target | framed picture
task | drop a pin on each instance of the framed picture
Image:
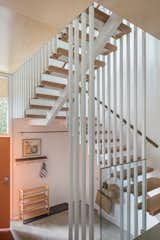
(31, 147)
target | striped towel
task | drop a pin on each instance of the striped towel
(43, 171)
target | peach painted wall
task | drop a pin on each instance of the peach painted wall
(26, 175)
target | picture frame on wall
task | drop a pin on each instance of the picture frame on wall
(31, 147)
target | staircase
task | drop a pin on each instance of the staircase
(50, 101)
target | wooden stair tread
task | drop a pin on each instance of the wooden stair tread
(139, 168)
(153, 205)
(52, 84)
(35, 116)
(112, 149)
(60, 70)
(46, 96)
(108, 48)
(32, 106)
(106, 140)
(103, 17)
(125, 159)
(152, 183)
(62, 54)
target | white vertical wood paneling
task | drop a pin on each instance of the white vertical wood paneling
(70, 85)
(83, 124)
(76, 126)
(144, 163)
(91, 119)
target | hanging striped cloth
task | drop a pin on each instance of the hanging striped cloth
(43, 171)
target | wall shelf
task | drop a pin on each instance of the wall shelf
(23, 159)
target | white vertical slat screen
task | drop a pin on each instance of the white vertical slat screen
(91, 123)
(109, 107)
(144, 163)
(128, 137)
(115, 111)
(83, 124)
(28, 77)
(121, 84)
(98, 118)
(70, 86)
(135, 153)
(103, 78)
(76, 127)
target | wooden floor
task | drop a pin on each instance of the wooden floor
(6, 235)
(153, 233)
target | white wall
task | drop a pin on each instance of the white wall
(26, 174)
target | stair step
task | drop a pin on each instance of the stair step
(112, 149)
(153, 205)
(57, 82)
(152, 183)
(62, 55)
(59, 71)
(108, 48)
(47, 93)
(139, 168)
(106, 140)
(125, 160)
(36, 113)
(103, 17)
(41, 103)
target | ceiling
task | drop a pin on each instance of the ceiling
(27, 24)
(143, 13)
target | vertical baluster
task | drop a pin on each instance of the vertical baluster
(27, 82)
(121, 142)
(144, 187)
(98, 118)
(76, 129)
(70, 85)
(109, 112)
(22, 77)
(135, 138)
(83, 123)
(91, 119)
(103, 114)
(115, 112)
(128, 138)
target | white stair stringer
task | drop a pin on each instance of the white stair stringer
(107, 30)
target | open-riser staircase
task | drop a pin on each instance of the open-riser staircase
(49, 100)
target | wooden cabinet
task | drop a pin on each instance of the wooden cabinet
(33, 202)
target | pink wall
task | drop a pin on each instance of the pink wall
(26, 175)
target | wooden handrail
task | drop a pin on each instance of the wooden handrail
(132, 127)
